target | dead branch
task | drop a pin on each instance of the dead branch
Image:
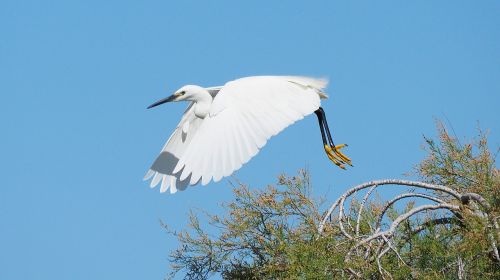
(379, 240)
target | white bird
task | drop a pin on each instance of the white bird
(224, 127)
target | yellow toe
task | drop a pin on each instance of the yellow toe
(335, 157)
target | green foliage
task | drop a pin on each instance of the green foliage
(269, 233)
(467, 168)
(273, 233)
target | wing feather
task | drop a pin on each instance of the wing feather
(162, 167)
(244, 115)
(156, 179)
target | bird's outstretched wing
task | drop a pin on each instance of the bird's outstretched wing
(163, 166)
(244, 115)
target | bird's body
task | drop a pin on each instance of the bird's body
(224, 127)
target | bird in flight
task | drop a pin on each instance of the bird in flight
(224, 127)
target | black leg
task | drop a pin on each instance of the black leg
(320, 116)
(332, 151)
(325, 124)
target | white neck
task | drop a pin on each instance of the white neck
(203, 102)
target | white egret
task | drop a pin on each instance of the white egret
(224, 127)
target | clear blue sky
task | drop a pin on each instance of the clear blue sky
(76, 139)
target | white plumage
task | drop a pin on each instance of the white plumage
(224, 127)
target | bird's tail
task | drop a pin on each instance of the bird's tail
(318, 84)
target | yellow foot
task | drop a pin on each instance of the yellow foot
(341, 155)
(336, 156)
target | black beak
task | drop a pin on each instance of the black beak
(161, 101)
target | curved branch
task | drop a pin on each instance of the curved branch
(340, 201)
(399, 197)
(341, 216)
(433, 222)
(365, 198)
(465, 198)
(389, 232)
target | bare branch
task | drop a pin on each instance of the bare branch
(433, 222)
(365, 198)
(465, 198)
(388, 233)
(375, 245)
(399, 197)
(340, 201)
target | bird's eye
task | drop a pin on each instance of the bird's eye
(183, 92)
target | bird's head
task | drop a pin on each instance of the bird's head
(185, 93)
